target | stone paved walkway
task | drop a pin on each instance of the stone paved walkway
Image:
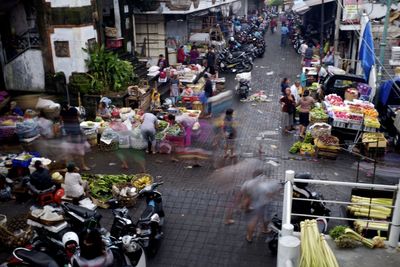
(195, 204)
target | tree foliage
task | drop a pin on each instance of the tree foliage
(275, 2)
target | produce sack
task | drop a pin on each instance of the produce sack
(108, 136)
(136, 139)
(124, 139)
(27, 129)
(320, 129)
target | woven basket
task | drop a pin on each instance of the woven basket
(114, 145)
(15, 233)
(128, 201)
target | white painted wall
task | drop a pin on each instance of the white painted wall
(26, 72)
(77, 38)
(68, 3)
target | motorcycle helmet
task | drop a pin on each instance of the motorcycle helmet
(70, 237)
(232, 39)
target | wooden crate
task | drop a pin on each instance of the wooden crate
(327, 153)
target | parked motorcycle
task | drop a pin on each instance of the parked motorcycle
(149, 224)
(234, 62)
(243, 86)
(315, 208)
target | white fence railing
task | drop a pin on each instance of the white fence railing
(394, 233)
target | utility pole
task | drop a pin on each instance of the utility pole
(337, 28)
(382, 46)
(321, 37)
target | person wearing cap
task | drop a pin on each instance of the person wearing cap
(15, 110)
(40, 179)
(74, 186)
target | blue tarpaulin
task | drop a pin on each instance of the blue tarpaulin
(367, 54)
(385, 90)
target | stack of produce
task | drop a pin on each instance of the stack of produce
(315, 251)
(374, 140)
(101, 185)
(162, 125)
(345, 237)
(318, 115)
(327, 142)
(372, 122)
(313, 87)
(341, 116)
(305, 147)
(319, 129)
(334, 100)
(361, 207)
(174, 130)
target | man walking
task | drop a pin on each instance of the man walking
(284, 35)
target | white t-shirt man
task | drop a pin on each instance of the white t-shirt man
(303, 48)
(322, 72)
(295, 92)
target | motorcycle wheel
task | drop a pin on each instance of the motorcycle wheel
(247, 67)
(273, 245)
(298, 50)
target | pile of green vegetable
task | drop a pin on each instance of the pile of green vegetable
(162, 125)
(345, 237)
(318, 114)
(306, 145)
(100, 185)
(174, 130)
(313, 87)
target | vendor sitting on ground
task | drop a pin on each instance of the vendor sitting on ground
(40, 179)
(15, 110)
(74, 186)
(103, 111)
(187, 92)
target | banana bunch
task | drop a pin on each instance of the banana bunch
(142, 182)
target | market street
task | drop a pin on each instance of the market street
(195, 234)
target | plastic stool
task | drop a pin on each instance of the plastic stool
(45, 198)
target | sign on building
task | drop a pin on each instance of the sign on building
(351, 13)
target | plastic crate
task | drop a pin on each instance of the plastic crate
(176, 140)
(339, 124)
(25, 163)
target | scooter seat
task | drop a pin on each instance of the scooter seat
(35, 258)
(236, 53)
(147, 213)
(82, 212)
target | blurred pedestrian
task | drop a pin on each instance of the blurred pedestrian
(273, 25)
(284, 35)
(208, 92)
(211, 60)
(174, 89)
(181, 55)
(288, 107)
(259, 192)
(229, 134)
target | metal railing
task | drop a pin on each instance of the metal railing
(394, 233)
(19, 44)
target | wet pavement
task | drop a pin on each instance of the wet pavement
(195, 202)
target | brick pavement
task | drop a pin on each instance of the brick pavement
(195, 204)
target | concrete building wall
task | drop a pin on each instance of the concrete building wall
(77, 38)
(26, 72)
